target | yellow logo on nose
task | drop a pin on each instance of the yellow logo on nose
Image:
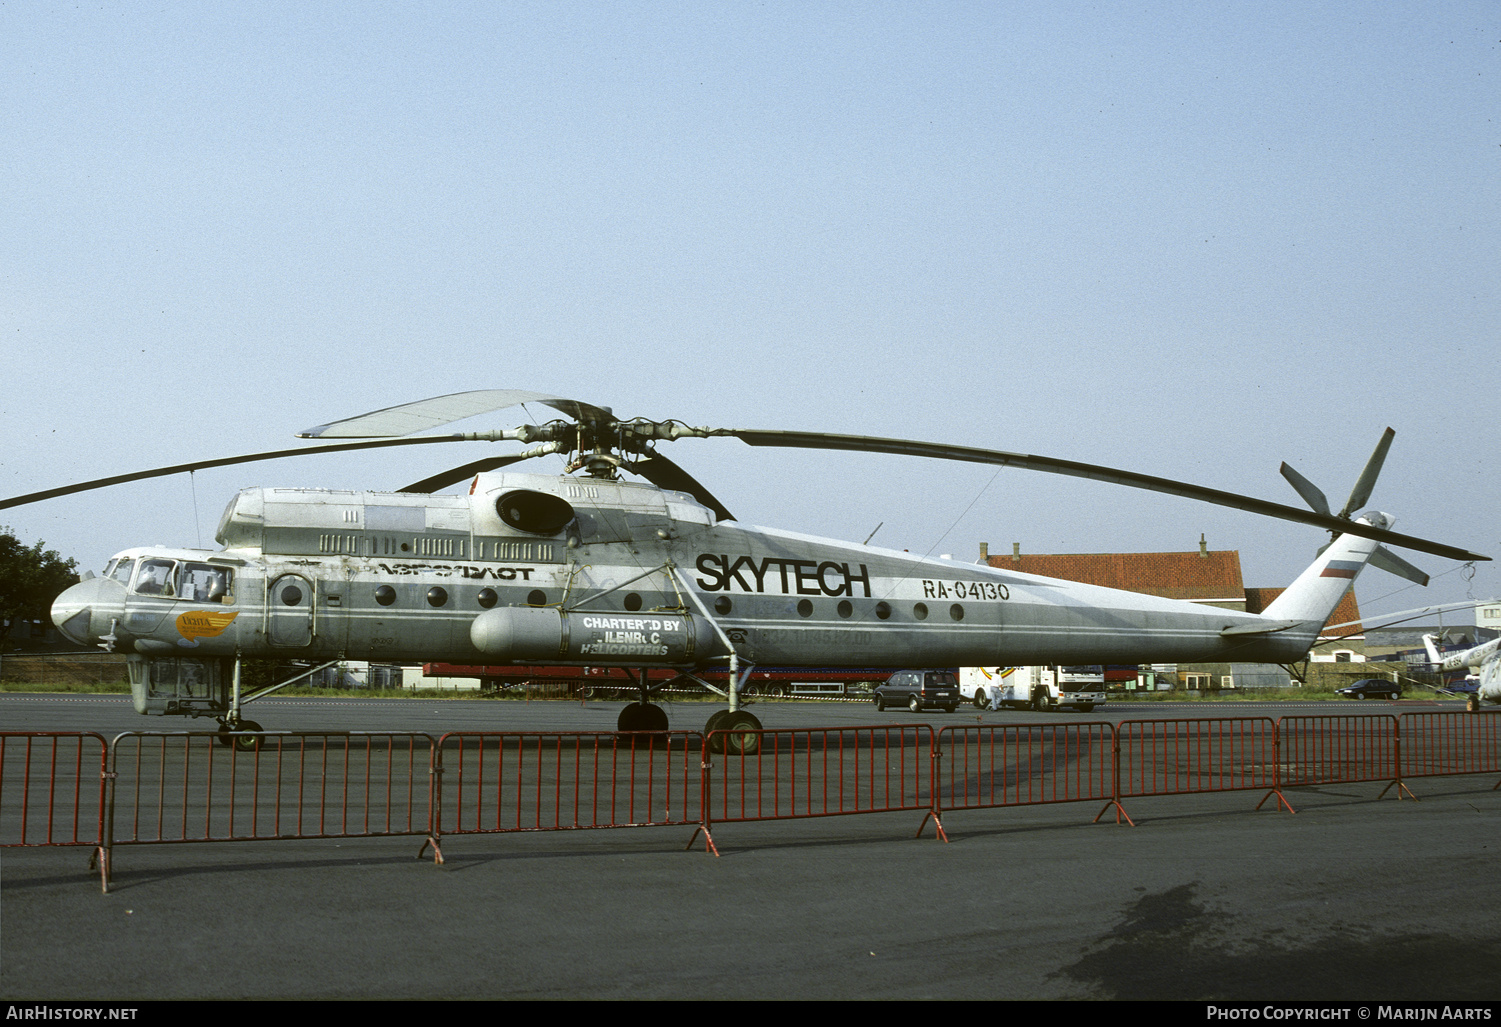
(204, 623)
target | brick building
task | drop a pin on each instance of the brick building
(1211, 577)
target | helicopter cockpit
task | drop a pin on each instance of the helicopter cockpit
(172, 579)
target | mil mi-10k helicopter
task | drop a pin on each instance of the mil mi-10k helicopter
(588, 568)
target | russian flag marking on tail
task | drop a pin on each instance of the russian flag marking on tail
(1341, 569)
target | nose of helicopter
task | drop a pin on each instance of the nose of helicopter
(83, 612)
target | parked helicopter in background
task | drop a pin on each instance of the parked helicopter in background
(1487, 657)
(589, 568)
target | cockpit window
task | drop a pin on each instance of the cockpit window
(120, 570)
(205, 583)
(157, 578)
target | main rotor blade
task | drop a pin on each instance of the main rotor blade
(869, 444)
(1362, 490)
(424, 414)
(454, 475)
(198, 465)
(665, 474)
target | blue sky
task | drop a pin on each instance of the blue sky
(1190, 240)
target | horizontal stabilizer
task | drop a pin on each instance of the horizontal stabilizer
(1269, 628)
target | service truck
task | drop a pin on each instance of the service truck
(1038, 688)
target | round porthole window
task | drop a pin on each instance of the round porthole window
(633, 602)
(956, 611)
(291, 595)
(536, 597)
(722, 605)
(487, 598)
(437, 596)
(920, 611)
(805, 608)
(385, 595)
(883, 610)
(845, 609)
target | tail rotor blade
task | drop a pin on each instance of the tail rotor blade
(1394, 564)
(1362, 490)
(1311, 493)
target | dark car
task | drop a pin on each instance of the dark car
(1371, 688)
(919, 689)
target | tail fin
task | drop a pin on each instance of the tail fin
(1431, 644)
(1318, 590)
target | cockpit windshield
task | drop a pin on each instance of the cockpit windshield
(157, 578)
(120, 570)
(172, 579)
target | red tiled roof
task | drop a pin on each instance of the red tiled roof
(1194, 576)
(1211, 576)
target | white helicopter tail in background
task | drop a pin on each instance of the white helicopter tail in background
(1487, 657)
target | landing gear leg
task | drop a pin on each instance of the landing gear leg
(739, 730)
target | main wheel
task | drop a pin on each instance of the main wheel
(914, 704)
(716, 722)
(741, 737)
(642, 716)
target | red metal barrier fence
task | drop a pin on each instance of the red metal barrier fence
(1024, 764)
(75, 788)
(52, 790)
(1315, 750)
(1439, 744)
(544, 781)
(819, 772)
(191, 787)
(1181, 757)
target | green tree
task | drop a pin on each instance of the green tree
(30, 578)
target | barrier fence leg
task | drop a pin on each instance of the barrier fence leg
(932, 815)
(1120, 812)
(434, 801)
(1115, 781)
(706, 787)
(1397, 784)
(1281, 799)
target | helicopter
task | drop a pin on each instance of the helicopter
(590, 568)
(1486, 656)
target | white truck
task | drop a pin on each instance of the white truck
(1038, 688)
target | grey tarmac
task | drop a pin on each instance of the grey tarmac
(1352, 898)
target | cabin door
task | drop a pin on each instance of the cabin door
(290, 599)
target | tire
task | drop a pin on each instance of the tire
(1360, 695)
(1086, 707)
(980, 701)
(914, 704)
(880, 704)
(1040, 703)
(950, 709)
(741, 739)
(247, 743)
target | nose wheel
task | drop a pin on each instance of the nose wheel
(241, 742)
